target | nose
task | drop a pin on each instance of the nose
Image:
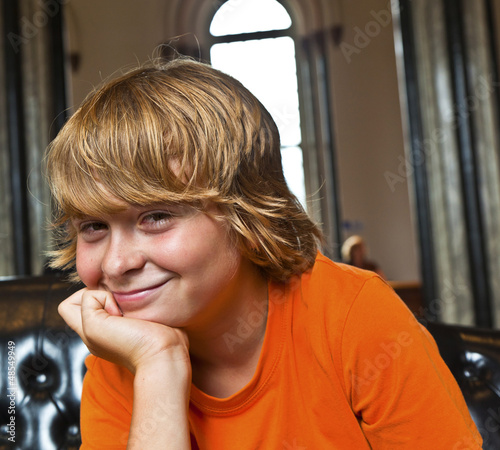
(122, 255)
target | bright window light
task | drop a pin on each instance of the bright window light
(245, 16)
(267, 68)
(293, 169)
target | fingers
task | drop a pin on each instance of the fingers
(87, 303)
(101, 318)
(97, 318)
(95, 301)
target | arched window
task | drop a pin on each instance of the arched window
(251, 40)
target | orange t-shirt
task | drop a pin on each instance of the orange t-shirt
(344, 365)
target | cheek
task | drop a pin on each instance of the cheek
(206, 248)
(214, 245)
(219, 258)
(87, 266)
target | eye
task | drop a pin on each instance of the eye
(90, 229)
(156, 220)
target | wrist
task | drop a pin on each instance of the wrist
(161, 405)
(164, 372)
(165, 357)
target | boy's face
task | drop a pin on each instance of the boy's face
(168, 264)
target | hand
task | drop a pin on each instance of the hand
(132, 343)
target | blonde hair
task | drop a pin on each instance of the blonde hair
(181, 132)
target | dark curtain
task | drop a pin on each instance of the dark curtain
(450, 97)
(33, 110)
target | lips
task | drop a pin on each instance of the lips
(137, 295)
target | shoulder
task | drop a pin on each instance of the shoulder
(382, 357)
(357, 300)
(327, 271)
(339, 285)
(355, 309)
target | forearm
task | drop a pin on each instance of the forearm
(160, 411)
(157, 355)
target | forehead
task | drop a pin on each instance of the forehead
(103, 201)
(125, 210)
(101, 187)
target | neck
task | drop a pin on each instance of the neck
(224, 355)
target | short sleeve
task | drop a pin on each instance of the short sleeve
(399, 387)
(106, 408)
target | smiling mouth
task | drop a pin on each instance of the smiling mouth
(136, 295)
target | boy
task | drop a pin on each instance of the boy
(212, 319)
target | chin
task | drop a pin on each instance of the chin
(150, 317)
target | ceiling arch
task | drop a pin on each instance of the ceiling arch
(309, 16)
